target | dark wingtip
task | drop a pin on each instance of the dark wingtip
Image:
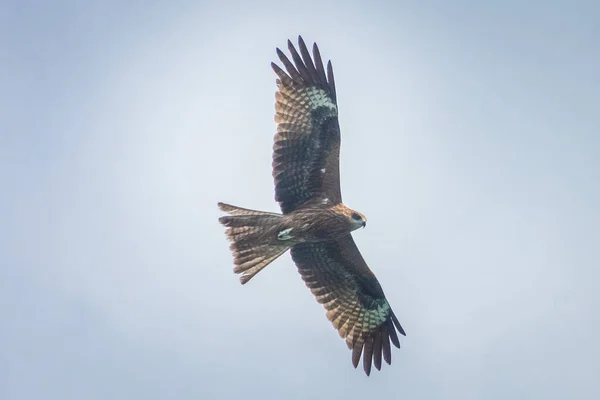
(367, 366)
(398, 326)
(385, 346)
(301, 43)
(356, 352)
(377, 350)
(279, 53)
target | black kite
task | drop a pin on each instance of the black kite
(315, 224)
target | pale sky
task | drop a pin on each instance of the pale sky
(470, 140)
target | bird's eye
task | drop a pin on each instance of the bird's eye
(356, 217)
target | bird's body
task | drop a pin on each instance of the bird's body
(315, 224)
(309, 224)
(318, 224)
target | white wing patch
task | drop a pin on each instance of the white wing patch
(319, 98)
(378, 316)
(285, 234)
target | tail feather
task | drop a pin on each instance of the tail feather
(250, 233)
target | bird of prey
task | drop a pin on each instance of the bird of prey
(314, 225)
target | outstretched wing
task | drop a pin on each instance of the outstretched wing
(307, 144)
(338, 276)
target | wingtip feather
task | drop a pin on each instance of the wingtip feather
(393, 335)
(356, 352)
(377, 350)
(368, 355)
(398, 326)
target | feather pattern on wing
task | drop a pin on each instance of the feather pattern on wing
(307, 144)
(340, 279)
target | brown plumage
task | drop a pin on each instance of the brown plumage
(315, 224)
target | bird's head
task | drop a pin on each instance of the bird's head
(351, 220)
(357, 220)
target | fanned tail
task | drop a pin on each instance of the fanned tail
(251, 234)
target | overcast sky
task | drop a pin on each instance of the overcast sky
(471, 141)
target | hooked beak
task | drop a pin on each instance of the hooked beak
(364, 224)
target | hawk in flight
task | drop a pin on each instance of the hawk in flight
(314, 225)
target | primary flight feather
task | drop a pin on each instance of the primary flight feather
(315, 225)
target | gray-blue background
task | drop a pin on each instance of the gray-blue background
(470, 141)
